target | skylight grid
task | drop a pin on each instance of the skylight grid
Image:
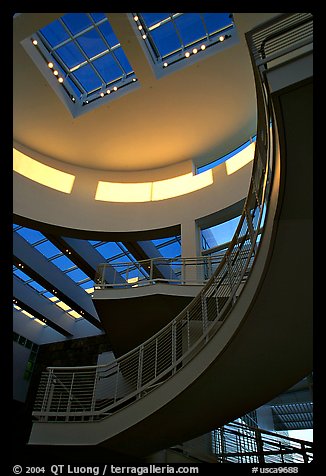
(85, 55)
(171, 37)
(53, 254)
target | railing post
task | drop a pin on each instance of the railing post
(174, 346)
(115, 397)
(140, 368)
(70, 397)
(188, 329)
(230, 274)
(204, 313)
(151, 271)
(47, 394)
(94, 392)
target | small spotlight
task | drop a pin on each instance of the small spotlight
(222, 38)
(144, 37)
(187, 54)
(165, 64)
(140, 27)
(108, 91)
(203, 47)
(134, 79)
(135, 18)
(60, 80)
(195, 51)
(50, 65)
(102, 95)
(55, 72)
(35, 42)
(115, 88)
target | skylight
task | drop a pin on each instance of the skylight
(173, 37)
(84, 57)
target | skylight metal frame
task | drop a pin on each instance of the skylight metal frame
(165, 64)
(42, 53)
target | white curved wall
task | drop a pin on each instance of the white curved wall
(79, 210)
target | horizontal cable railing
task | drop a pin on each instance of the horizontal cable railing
(95, 392)
(238, 442)
(184, 271)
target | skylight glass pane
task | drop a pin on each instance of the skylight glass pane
(190, 27)
(20, 274)
(109, 249)
(108, 33)
(220, 234)
(32, 236)
(108, 68)
(98, 16)
(76, 22)
(171, 251)
(70, 55)
(48, 295)
(166, 39)
(54, 33)
(36, 286)
(87, 284)
(123, 60)
(88, 78)
(216, 21)
(48, 249)
(91, 43)
(63, 263)
(77, 275)
(154, 18)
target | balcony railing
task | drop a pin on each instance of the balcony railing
(182, 271)
(96, 392)
(238, 442)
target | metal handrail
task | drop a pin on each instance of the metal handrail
(163, 355)
(238, 442)
(159, 270)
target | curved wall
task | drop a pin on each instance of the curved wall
(80, 211)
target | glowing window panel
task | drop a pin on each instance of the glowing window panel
(180, 185)
(124, 192)
(169, 36)
(87, 55)
(152, 191)
(240, 160)
(41, 173)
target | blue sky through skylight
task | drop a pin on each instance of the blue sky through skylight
(86, 54)
(169, 35)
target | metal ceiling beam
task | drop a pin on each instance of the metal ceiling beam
(85, 256)
(53, 279)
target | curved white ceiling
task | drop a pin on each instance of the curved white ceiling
(200, 112)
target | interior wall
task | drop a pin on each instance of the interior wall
(79, 209)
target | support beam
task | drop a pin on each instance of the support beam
(53, 279)
(85, 256)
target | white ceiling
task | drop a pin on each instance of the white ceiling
(200, 112)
